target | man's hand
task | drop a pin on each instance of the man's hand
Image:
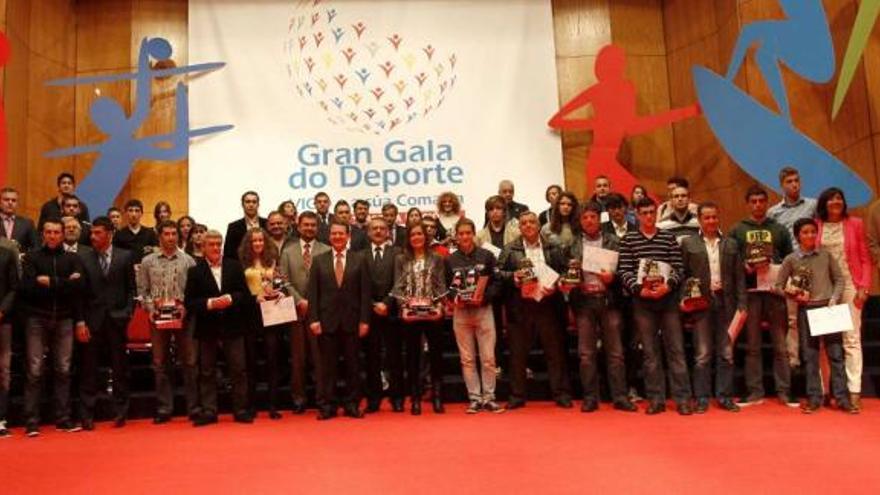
(302, 307)
(74, 276)
(661, 290)
(315, 328)
(82, 333)
(44, 280)
(380, 309)
(363, 329)
(221, 302)
(858, 302)
(606, 277)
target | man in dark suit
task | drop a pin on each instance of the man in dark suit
(217, 294)
(108, 309)
(13, 227)
(384, 326)
(322, 209)
(71, 207)
(617, 223)
(8, 287)
(339, 293)
(714, 260)
(250, 203)
(52, 208)
(396, 233)
(296, 263)
(358, 238)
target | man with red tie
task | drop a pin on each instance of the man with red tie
(339, 295)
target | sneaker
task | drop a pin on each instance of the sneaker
(493, 407)
(498, 372)
(786, 400)
(4, 432)
(751, 400)
(473, 407)
(68, 426)
(529, 374)
(32, 430)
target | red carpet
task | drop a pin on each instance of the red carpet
(539, 449)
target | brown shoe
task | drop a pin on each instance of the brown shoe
(856, 400)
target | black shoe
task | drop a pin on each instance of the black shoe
(847, 407)
(245, 417)
(625, 405)
(702, 406)
(416, 407)
(88, 424)
(68, 426)
(397, 405)
(728, 405)
(273, 414)
(515, 404)
(684, 408)
(298, 408)
(811, 406)
(164, 418)
(373, 405)
(354, 412)
(326, 413)
(589, 405)
(437, 404)
(205, 420)
(119, 422)
(655, 408)
(564, 402)
(32, 430)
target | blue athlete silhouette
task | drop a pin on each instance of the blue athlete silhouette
(121, 150)
(762, 141)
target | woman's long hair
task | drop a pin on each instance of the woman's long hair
(246, 254)
(556, 219)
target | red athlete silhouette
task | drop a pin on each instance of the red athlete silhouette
(614, 118)
(4, 57)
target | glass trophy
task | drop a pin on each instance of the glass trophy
(168, 302)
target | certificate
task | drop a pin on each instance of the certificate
(830, 319)
(278, 311)
(597, 260)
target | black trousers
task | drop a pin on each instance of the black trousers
(303, 349)
(270, 349)
(662, 315)
(542, 319)
(384, 332)
(110, 337)
(433, 333)
(233, 350)
(332, 346)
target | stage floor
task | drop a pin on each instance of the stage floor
(540, 449)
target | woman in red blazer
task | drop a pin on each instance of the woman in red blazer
(844, 237)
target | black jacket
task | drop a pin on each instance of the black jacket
(339, 308)
(509, 262)
(733, 279)
(235, 232)
(63, 297)
(139, 245)
(8, 281)
(613, 292)
(479, 257)
(382, 273)
(110, 296)
(201, 286)
(23, 232)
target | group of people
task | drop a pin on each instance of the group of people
(374, 294)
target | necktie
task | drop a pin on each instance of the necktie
(307, 256)
(104, 258)
(339, 269)
(378, 256)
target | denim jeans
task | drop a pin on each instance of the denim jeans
(42, 335)
(475, 330)
(711, 338)
(594, 319)
(187, 357)
(764, 305)
(834, 350)
(662, 314)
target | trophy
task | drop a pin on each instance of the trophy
(169, 308)
(758, 253)
(417, 303)
(692, 298)
(468, 286)
(573, 277)
(528, 279)
(653, 275)
(277, 281)
(800, 282)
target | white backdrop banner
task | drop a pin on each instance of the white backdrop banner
(392, 101)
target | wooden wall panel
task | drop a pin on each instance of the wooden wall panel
(15, 96)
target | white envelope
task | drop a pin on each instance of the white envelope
(596, 260)
(830, 319)
(278, 311)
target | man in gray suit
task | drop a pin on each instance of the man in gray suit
(14, 227)
(296, 261)
(715, 262)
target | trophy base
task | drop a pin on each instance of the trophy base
(175, 324)
(694, 304)
(431, 313)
